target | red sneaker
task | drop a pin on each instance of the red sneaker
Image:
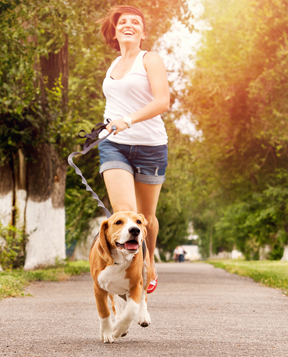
(152, 286)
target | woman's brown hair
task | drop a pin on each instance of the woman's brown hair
(108, 23)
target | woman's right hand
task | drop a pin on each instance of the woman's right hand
(119, 124)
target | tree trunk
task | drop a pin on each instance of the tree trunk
(285, 254)
(32, 198)
(6, 194)
(6, 198)
(54, 67)
(20, 195)
(211, 244)
(45, 211)
(32, 189)
(264, 251)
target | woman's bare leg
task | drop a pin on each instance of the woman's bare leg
(121, 190)
(147, 198)
(127, 195)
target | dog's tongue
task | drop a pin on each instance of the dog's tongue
(132, 245)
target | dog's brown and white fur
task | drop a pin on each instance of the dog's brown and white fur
(118, 267)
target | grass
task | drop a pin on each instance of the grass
(269, 273)
(12, 283)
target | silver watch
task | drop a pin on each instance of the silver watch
(128, 121)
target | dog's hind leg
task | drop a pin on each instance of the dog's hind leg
(111, 297)
(118, 305)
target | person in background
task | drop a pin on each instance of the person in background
(176, 254)
(181, 253)
(133, 160)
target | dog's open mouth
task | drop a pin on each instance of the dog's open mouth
(130, 245)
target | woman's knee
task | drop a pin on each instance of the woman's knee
(152, 221)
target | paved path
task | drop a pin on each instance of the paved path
(196, 310)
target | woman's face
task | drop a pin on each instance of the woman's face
(130, 29)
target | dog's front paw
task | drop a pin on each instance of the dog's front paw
(119, 330)
(106, 330)
(144, 319)
(107, 337)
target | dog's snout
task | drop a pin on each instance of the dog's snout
(134, 231)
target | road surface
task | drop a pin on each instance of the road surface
(196, 310)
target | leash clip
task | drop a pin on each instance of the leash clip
(94, 133)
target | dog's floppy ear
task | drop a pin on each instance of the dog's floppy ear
(103, 246)
(144, 222)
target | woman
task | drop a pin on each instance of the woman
(133, 160)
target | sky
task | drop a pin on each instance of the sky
(184, 42)
(185, 46)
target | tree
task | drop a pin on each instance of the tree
(238, 98)
(38, 172)
(174, 207)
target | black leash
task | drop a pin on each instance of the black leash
(86, 148)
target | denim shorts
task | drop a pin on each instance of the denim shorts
(146, 163)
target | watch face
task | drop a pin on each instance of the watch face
(128, 121)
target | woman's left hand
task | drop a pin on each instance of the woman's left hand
(120, 126)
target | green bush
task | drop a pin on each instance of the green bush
(276, 253)
(12, 247)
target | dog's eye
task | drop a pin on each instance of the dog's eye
(138, 221)
(119, 222)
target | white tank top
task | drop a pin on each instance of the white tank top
(126, 96)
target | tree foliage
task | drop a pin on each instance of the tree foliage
(12, 247)
(174, 207)
(238, 98)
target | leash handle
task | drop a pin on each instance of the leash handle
(87, 147)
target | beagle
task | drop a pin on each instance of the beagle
(118, 267)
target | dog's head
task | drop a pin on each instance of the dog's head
(123, 231)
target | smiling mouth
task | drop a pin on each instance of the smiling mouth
(130, 245)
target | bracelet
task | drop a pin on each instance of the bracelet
(128, 121)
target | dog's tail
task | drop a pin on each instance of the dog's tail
(118, 305)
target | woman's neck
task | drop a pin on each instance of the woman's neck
(129, 52)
